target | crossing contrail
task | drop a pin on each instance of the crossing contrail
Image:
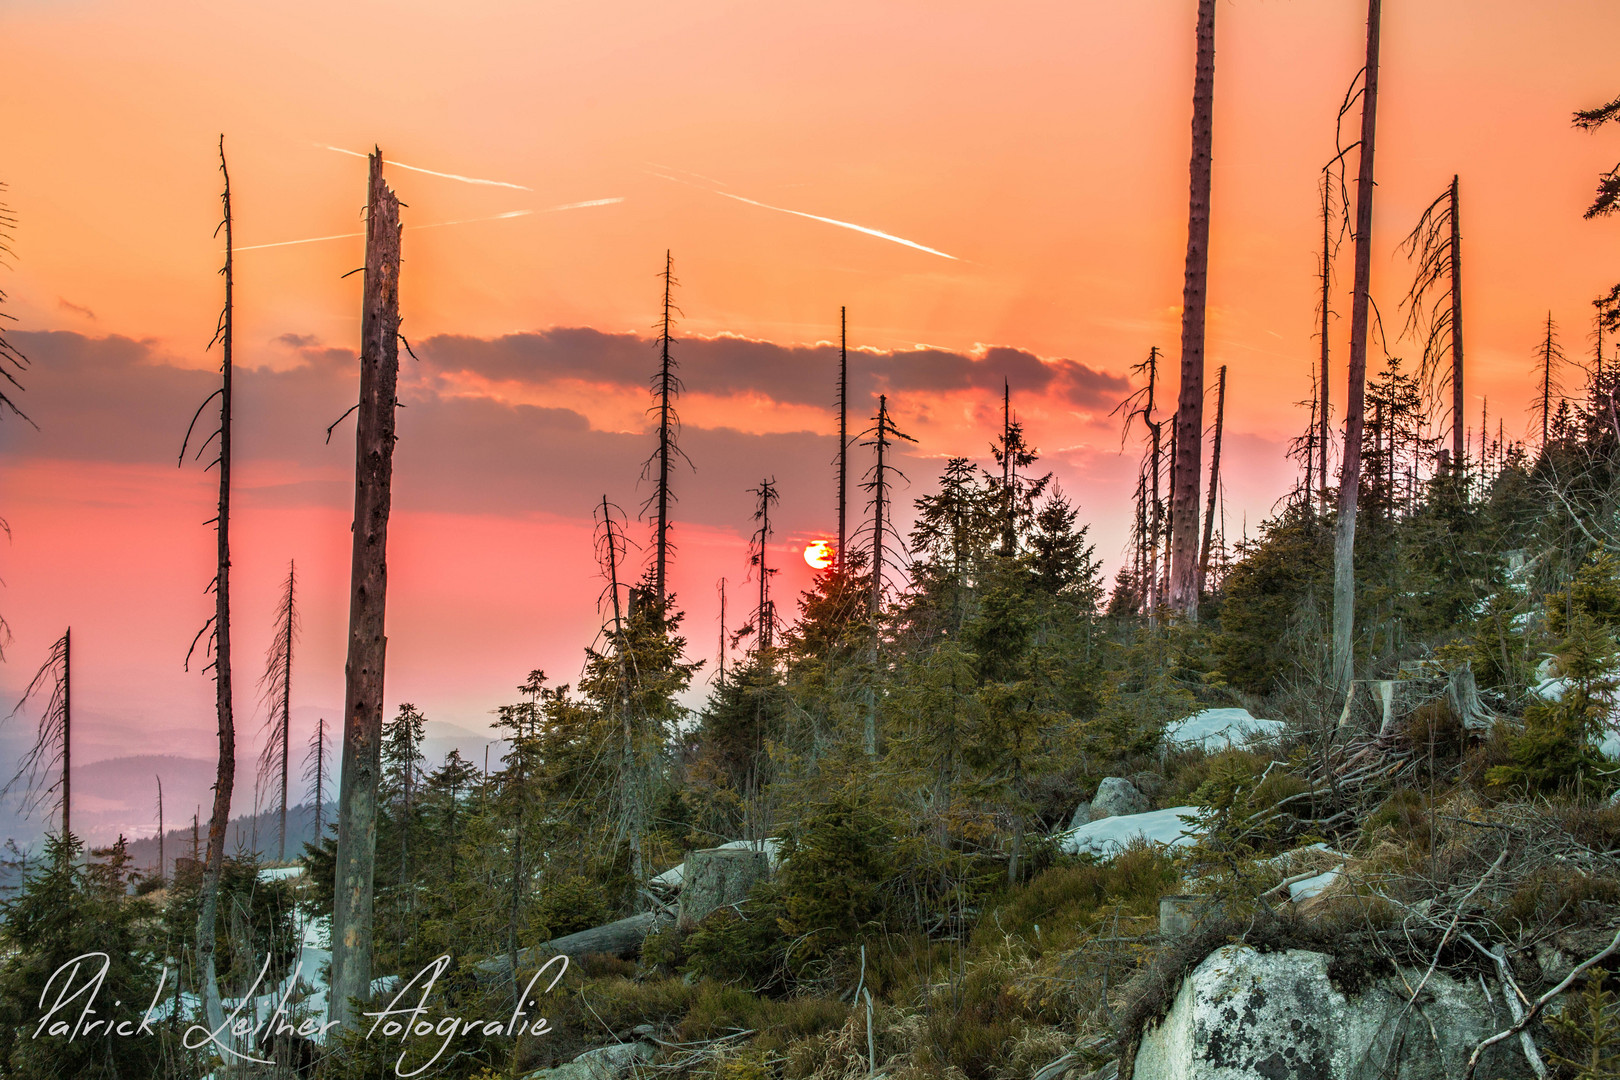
(433, 172)
(441, 224)
(879, 233)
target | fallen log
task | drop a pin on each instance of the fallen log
(622, 938)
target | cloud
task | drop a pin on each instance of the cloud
(792, 374)
(297, 341)
(77, 309)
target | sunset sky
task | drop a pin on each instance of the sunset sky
(1034, 155)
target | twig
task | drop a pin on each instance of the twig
(1541, 1003)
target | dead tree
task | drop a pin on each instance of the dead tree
(880, 436)
(363, 702)
(1549, 358)
(1330, 247)
(843, 432)
(1141, 403)
(721, 665)
(611, 547)
(1434, 303)
(275, 685)
(12, 363)
(52, 749)
(759, 548)
(1185, 581)
(1344, 541)
(1215, 479)
(315, 771)
(218, 630)
(666, 385)
(162, 866)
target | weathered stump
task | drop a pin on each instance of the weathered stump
(716, 877)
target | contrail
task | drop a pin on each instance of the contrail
(431, 172)
(442, 224)
(880, 234)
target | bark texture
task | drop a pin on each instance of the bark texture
(363, 703)
(1189, 430)
(1344, 543)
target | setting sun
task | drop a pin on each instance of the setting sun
(819, 554)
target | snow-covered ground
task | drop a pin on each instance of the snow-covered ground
(1220, 729)
(1111, 835)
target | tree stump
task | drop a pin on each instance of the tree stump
(716, 877)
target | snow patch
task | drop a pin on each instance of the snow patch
(1110, 836)
(1221, 729)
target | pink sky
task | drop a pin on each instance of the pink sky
(1044, 146)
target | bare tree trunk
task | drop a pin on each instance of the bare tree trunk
(1344, 546)
(363, 704)
(1322, 415)
(162, 863)
(67, 731)
(1184, 579)
(630, 772)
(1458, 447)
(843, 428)
(1156, 528)
(1215, 479)
(668, 385)
(225, 777)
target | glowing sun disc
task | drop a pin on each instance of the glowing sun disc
(819, 554)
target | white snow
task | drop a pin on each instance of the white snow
(1220, 729)
(1313, 886)
(1110, 836)
(673, 878)
(280, 873)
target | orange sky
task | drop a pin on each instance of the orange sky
(1044, 146)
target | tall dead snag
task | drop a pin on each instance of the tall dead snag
(1344, 541)
(1325, 311)
(12, 363)
(1141, 403)
(1215, 480)
(611, 548)
(363, 674)
(162, 866)
(758, 556)
(52, 749)
(276, 687)
(665, 385)
(1434, 303)
(218, 628)
(315, 770)
(1184, 565)
(843, 430)
(881, 436)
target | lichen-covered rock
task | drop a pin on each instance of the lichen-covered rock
(1247, 1015)
(1117, 797)
(604, 1063)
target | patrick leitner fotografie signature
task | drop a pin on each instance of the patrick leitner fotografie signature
(82, 979)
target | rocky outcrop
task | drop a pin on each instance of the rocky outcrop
(1117, 797)
(1247, 1015)
(603, 1063)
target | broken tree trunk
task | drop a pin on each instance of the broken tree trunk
(621, 938)
(1189, 422)
(1344, 542)
(1215, 480)
(225, 775)
(363, 704)
(717, 877)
